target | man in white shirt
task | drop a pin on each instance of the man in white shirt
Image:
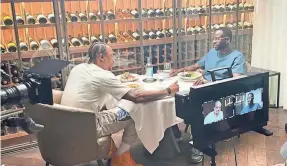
(91, 86)
(216, 115)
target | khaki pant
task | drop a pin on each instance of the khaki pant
(108, 124)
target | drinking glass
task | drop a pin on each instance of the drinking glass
(167, 67)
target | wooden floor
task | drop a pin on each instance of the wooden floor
(252, 149)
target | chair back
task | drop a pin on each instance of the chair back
(69, 136)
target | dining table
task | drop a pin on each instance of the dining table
(153, 120)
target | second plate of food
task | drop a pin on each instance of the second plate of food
(190, 76)
(128, 77)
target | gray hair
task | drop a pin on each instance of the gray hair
(96, 49)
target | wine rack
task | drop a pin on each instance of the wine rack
(175, 31)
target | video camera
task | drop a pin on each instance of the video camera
(36, 86)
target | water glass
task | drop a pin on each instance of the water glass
(167, 67)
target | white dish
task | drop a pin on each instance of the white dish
(196, 76)
(136, 76)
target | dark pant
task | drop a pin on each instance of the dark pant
(176, 131)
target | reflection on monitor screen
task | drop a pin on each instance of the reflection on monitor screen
(230, 106)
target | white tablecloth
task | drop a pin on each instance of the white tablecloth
(153, 118)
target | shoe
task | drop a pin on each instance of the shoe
(177, 133)
(26, 123)
(30, 127)
(195, 156)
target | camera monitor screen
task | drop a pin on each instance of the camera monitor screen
(230, 106)
(226, 108)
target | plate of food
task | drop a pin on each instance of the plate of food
(190, 76)
(128, 77)
(134, 86)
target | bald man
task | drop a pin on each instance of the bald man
(216, 115)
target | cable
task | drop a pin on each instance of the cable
(234, 152)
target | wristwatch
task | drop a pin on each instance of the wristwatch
(168, 90)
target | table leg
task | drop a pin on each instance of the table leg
(168, 147)
(278, 91)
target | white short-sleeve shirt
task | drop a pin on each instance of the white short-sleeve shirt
(91, 87)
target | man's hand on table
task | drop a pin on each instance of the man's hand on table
(174, 88)
(174, 72)
(199, 82)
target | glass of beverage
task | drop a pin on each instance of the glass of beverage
(167, 67)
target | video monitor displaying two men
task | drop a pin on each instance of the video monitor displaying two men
(230, 106)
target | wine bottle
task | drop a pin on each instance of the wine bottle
(233, 7)
(251, 7)
(19, 20)
(202, 9)
(3, 48)
(221, 8)
(14, 70)
(45, 44)
(151, 34)
(23, 46)
(111, 15)
(51, 18)
(215, 8)
(145, 36)
(180, 10)
(15, 80)
(42, 19)
(182, 32)
(103, 40)
(241, 6)
(5, 81)
(104, 16)
(94, 39)
(8, 20)
(30, 19)
(134, 34)
(170, 30)
(227, 8)
(119, 14)
(83, 17)
(246, 6)
(85, 41)
(167, 33)
(126, 13)
(144, 13)
(34, 45)
(73, 17)
(12, 47)
(151, 12)
(200, 29)
(112, 38)
(54, 43)
(159, 33)
(121, 37)
(189, 30)
(246, 25)
(197, 9)
(75, 41)
(64, 44)
(159, 12)
(135, 13)
(216, 26)
(92, 16)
